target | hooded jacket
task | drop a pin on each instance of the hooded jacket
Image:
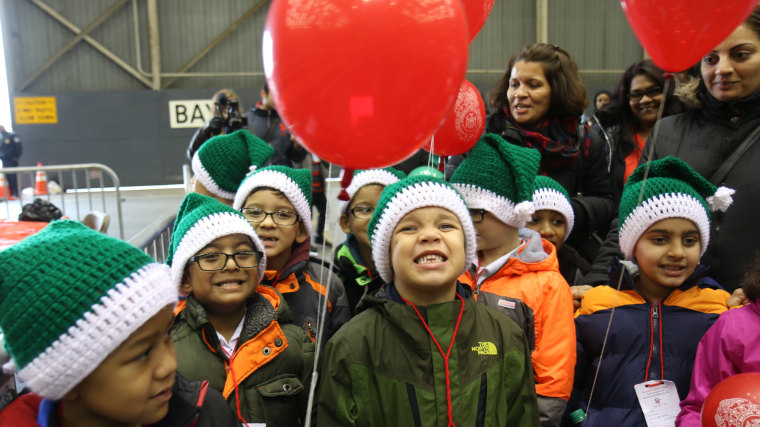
(384, 369)
(356, 277)
(271, 367)
(728, 348)
(647, 341)
(533, 277)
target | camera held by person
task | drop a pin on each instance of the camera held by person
(227, 119)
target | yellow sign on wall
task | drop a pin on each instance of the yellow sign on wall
(34, 110)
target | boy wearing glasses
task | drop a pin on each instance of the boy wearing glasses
(354, 256)
(276, 200)
(496, 181)
(231, 331)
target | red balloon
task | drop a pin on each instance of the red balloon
(364, 83)
(464, 124)
(677, 33)
(477, 12)
(734, 402)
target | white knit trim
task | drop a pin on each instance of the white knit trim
(118, 314)
(721, 200)
(366, 177)
(501, 207)
(420, 195)
(205, 178)
(205, 231)
(551, 199)
(657, 208)
(279, 181)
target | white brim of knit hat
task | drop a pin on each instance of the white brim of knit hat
(364, 178)
(84, 346)
(421, 195)
(553, 200)
(204, 178)
(205, 231)
(502, 208)
(663, 206)
(279, 181)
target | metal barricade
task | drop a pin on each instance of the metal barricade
(154, 239)
(82, 187)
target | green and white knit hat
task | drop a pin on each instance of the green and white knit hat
(672, 189)
(402, 197)
(295, 184)
(498, 176)
(384, 177)
(201, 220)
(550, 195)
(69, 296)
(224, 160)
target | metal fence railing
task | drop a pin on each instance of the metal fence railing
(81, 189)
(154, 239)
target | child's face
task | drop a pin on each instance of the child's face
(278, 239)
(427, 253)
(550, 224)
(363, 203)
(667, 254)
(133, 385)
(228, 289)
(491, 234)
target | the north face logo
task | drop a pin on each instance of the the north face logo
(485, 348)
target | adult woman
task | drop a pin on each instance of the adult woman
(538, 104)
(601, 99)
(630, 117)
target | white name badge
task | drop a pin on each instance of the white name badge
(659, 402)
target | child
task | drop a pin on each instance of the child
(86, 319)
(231, 331)
(221, 163)
(554, 219)
(354, 256)
(496, 181)
(728, 348)
(424, 352)
(666, 300)
(276, 200)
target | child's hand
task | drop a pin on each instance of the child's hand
(737, 299)
(578, 292)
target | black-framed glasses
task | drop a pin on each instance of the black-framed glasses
(213, 261)
(478, 215)
(651, 92)
(362, 212)
(256, 216)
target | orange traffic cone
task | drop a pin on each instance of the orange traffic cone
(40, 183)
(4, 192)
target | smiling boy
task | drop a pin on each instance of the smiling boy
(422, 351)
(665, 301)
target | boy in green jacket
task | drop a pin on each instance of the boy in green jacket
(422, 352)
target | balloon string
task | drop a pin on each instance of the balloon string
(432, 151)
(652, 141)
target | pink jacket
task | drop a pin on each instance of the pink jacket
(729, 347)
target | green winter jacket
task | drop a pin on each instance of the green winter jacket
(383, 369)
(272, 363)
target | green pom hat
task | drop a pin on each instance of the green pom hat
(224, 160)
(405, 196)
(384, 177)
(201, 220)
(498, 176)
(69, 296)
(295, 184)
(671, 190)
(550, 195)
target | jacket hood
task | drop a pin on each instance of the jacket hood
(536, 255)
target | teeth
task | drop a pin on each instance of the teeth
(228, 284)
(672, 267)
(428, 259)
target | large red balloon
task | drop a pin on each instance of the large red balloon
(364, 83)
(734, 402)
(464, 124)
(477, 12)
(677, 33)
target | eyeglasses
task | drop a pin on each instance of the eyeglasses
(256, 216)
(478, 215)
(213, 261)
(651, 92)
(362, 212)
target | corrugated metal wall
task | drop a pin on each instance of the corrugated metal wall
(594, 31)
